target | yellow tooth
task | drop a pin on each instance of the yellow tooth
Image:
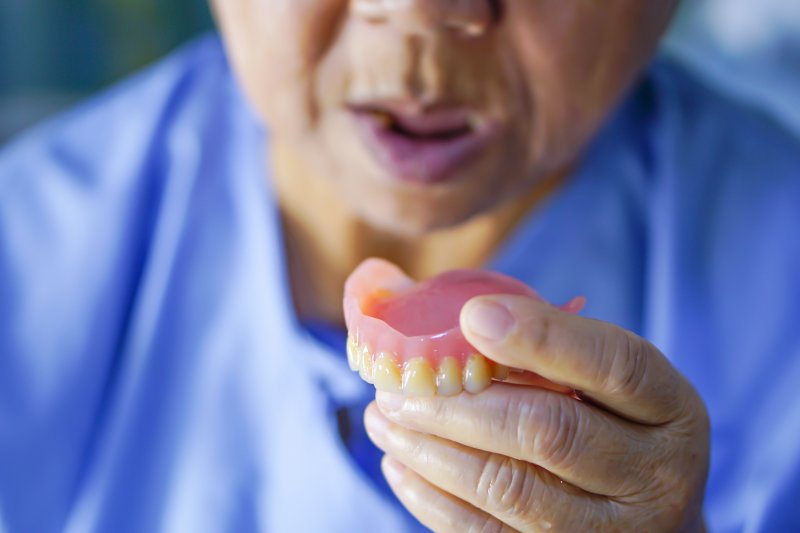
(448, 379)
(385, 119)
(352, 354)
(500, 372)
(367, 368)
(477, 374)
(419, 378)
(387, 375)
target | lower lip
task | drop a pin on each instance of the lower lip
(422, 161)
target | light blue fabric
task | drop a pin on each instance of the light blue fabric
(154, 378)
(748, 48)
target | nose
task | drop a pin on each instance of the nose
(470, 18)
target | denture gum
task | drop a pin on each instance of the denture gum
(405, 336)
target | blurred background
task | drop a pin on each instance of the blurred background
(54, 53)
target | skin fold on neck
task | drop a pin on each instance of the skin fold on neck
(325, 240)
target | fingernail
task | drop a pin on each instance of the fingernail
(489, 320)
(392, 470)
(390, 401)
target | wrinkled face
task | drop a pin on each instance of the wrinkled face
(423, 113)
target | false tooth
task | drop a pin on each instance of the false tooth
(387, 375)
(448, 379)
(419, 378)
(477, 374)
(500, 372)
(367, 368)
(384, 119)
(353, 354)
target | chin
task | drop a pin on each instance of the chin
(419, 225)
(418, 211)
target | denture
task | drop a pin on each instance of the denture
(405, 337)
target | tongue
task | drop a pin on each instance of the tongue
(433, 307)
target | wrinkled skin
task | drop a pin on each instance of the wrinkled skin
(548, 72)
(633, 455)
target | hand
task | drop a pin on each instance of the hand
(632, 456)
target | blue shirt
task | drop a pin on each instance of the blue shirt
(153, 376)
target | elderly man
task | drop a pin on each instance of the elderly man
(172, 257)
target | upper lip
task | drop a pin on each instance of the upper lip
(414, 119)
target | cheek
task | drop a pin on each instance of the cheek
(276, 47)
(576, 58)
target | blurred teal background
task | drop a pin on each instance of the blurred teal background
(56, 52)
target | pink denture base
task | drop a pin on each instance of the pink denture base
(390, 313)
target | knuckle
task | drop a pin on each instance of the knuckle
(506, 486)
(554, 436)
(540, 331)
(625, 363)
(487, 524)
(418, 448)
(697, 412)
(703, 419)
(676, 482)
(694, 423)
(436, 411)
(669, 503)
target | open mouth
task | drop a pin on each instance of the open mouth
(438, 127)
(422, 147)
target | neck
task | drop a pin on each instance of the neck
(325, 240)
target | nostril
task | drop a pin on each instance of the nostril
(474, 25)
(496, 7)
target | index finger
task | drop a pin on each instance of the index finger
(608, 364)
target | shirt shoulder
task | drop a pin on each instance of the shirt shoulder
(114, 217)
(121, 121)
(722, 177)
(707, 130)
(86, 197)
(723, 198)
(723, 213)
